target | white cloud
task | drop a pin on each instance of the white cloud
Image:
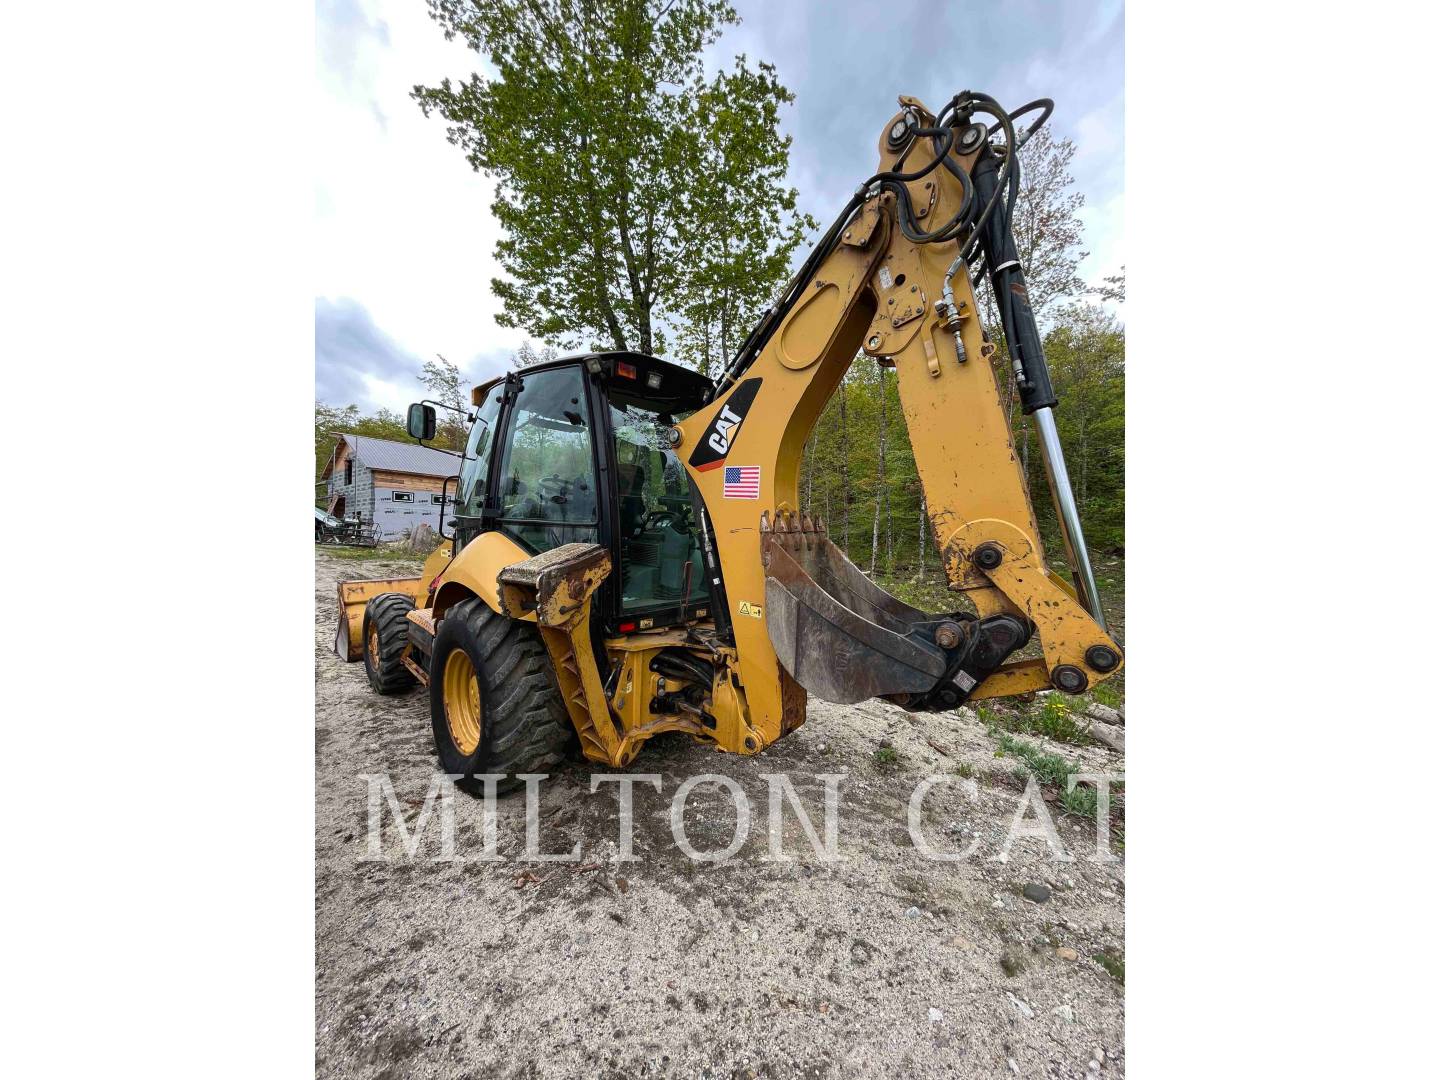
(402, 226)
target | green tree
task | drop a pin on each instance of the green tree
(1085, 349)
(630, 188)
(1046, 221)
(447, 386)
(528, 356)
(747, 227)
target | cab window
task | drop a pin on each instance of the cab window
(470, 494)
(546, 492)
(660, 562)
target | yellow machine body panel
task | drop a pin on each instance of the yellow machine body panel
(476, 572)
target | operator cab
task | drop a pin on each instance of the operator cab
(577, 451)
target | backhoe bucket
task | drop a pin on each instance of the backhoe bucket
(354, 595)
(838, 634)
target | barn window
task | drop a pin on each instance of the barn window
(402, 496)
(350, 471)
(438, 500)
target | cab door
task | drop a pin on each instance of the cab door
(473, 495)
(546, 488)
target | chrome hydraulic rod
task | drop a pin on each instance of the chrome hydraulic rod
(1068, 514)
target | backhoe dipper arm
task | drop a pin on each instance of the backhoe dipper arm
(801, 615)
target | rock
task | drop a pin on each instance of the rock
(1100, 1055)
(1093, 1066)
(1003, 858)
(1025, 1009)
(1013, 1067)
(936, 1015)
(961, 943)
(1036, 894)
(1111, 736)
(1067, 954)
(1104, 713)
(912, 912)
(1064, 1012)
(421, 539)
(998, 905)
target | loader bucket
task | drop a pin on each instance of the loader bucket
(838, 634)
(354, 595)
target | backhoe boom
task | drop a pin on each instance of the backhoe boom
(802, 614)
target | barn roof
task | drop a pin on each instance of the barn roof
(401, 457)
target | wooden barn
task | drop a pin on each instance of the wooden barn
(395, 485)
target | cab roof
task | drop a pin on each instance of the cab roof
(680, 389)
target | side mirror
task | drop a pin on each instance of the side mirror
(420, 422)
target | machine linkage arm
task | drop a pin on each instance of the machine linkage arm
(802, 612)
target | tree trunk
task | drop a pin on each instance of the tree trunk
(645, 336)
(924, 528)
(884, 471)
(875, 534)
(879, 480)
(807, 504)
(844, 474)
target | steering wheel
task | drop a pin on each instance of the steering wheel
(554, 488)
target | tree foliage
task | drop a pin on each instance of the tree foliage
(631, 189)
(1046, 221)
(448, 386)
(527, 355)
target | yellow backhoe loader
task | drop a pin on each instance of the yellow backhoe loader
(629, 555)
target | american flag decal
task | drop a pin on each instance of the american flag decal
(742, 482)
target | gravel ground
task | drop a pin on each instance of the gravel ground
(884, 964)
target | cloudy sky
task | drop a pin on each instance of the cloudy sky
(404, 237)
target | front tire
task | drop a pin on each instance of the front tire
(494, 703)
(385, 632)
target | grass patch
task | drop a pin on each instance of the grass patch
(1055, 716)
(966, 770)
(886, 757)
(1108, 694)
(1047, 768)
(1080, 801)
(1111, 962)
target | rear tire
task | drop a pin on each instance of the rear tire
(494, 703)
(384, 634)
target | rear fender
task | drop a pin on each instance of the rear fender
(475, 572)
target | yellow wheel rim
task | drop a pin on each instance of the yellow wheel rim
(373, 645)
(462, 701)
